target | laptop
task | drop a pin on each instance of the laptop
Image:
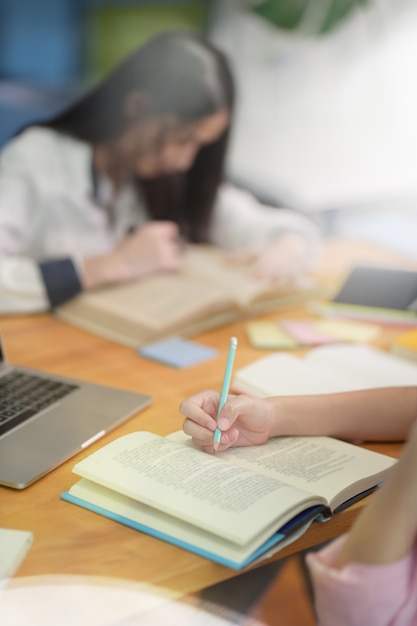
(46, 419)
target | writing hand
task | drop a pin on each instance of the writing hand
(152, 249)
(244, 420)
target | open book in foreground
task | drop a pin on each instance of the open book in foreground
(207, 292)
(231, 508)
(327, 369)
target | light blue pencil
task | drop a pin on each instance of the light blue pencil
(225, 388)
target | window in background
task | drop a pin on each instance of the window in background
(52, 50)
(114, 30)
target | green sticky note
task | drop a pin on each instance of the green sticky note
(268, 335)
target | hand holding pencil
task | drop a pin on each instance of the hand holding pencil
(247, 420)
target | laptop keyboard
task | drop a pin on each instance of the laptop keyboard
(23, 395)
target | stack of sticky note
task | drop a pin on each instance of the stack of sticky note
(287, 334)
(178, 352)
(406, 344)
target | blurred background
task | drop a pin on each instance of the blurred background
(53, 50)
(326, 117)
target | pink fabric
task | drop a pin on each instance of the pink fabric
(361, 594)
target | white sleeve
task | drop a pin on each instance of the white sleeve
(21, 286)
(241, 221)
(22, 289)
(29, 282)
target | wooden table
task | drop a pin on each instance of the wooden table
(71, 540)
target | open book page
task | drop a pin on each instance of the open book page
(235, 280)
(231, 502)
(283, 374)
(249, 293)
(327, 369)
(207, 283)
(333, 469)
(370, 366)
(206, 293)
(162, 302)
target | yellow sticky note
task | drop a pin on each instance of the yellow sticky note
(268, 335)
(348, 331)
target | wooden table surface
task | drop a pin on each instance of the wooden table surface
(71, 540)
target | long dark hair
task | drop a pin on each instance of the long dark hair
(179, 74)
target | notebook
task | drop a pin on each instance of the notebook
(14, 545)
(47, 419)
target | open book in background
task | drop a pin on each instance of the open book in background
(327, 369)
(208, 292)
(234, 507)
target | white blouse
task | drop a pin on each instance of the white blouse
(50, 209)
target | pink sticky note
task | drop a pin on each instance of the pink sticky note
(305, 332)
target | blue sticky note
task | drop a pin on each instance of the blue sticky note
(178, 352)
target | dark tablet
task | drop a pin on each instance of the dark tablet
(378, 287)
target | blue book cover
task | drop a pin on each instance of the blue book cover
(282, 537)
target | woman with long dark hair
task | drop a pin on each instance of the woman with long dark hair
(107, 190)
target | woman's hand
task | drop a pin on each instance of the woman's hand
(244, 420)
(285, 260)
(152, 249)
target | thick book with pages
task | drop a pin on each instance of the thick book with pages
(234, 508)
(207, 292)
